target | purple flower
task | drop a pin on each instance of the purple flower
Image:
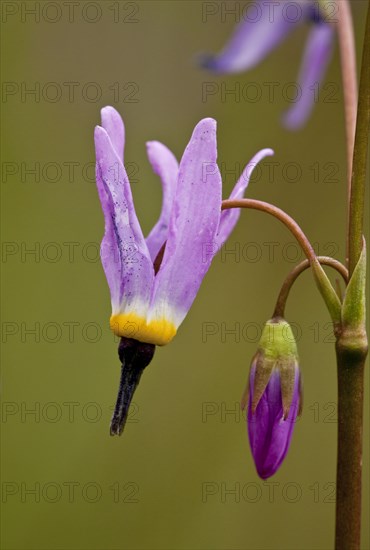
(273, 397)
(153, 282)
(256, 36)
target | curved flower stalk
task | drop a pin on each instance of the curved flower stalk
(154, 281)
(253, 40)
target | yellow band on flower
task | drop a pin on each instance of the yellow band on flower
(130, 325)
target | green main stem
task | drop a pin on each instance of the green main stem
(351, 365)
(351, 345)
(357, 193)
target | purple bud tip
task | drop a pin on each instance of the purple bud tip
(269, 430)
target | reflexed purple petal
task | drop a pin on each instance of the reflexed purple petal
(316, 58)
(230, 217)
(136, 268)
(262, 29)
(193, 225)
(115, 128)
(269, 434)
(165, 165)
(113, 125)
(109, 250)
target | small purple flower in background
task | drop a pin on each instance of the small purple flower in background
(273, 397)
(154, 281)
(254, 39)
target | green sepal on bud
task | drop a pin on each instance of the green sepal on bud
(277, 351)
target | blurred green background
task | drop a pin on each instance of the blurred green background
(182, 476)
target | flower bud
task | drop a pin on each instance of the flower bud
(273, 396)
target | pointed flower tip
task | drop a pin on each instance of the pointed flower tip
(113, 124)
(150, 147)
(206, 125)
(250, 167)
(206, 61)
(99, 131)
(102, 141)
(154, 146)
(293, 120)
(205, 133)
(135, 357)
(99, 136)
(152, 143)
(109, 111)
